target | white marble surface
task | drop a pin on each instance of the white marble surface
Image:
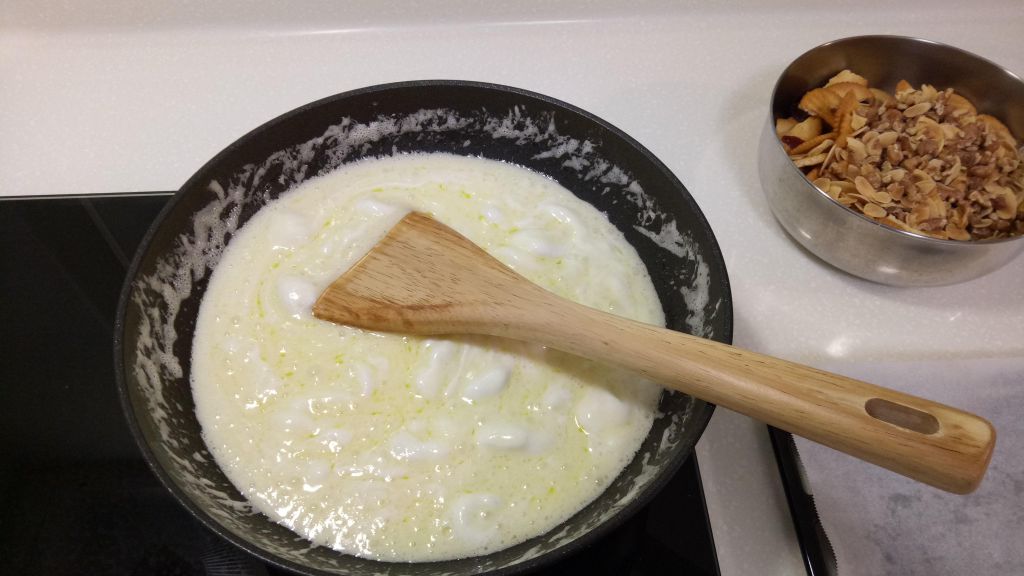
(126, 96)
(885, 524)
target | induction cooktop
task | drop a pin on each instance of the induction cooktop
(78, 497)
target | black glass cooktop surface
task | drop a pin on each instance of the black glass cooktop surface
(77, 496)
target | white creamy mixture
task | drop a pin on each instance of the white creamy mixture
(403, 448)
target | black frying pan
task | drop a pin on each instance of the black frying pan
(594, 160)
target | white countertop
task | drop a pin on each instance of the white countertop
(133, 96)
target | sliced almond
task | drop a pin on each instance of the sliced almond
(845, 186)
(887, 139)
(810, 145)
(917, 109)
(823, 147)
(920, 175)
(926, 186)
(874, 210)
(809, 160)
(864, 187)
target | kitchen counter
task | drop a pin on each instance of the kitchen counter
(102, 97)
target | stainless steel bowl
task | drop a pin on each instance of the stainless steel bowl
(849, 240)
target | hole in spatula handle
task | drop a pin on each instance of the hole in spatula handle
(902, 416)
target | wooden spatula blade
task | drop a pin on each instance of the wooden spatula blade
(423, 278)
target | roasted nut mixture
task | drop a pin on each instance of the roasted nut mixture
(920, 160)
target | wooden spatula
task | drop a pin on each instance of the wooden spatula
(425, 278)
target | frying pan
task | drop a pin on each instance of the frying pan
(594, 160)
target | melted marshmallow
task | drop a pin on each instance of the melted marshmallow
(401, 448)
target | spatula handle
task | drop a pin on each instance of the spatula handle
(930, 442)
(426, 278)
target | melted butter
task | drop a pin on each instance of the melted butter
(402, 448)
